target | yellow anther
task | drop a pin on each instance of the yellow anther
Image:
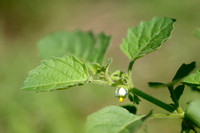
(121, 99)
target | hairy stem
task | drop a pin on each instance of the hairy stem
(130, 83)
(167, 116)
(100, 82)
(153, 100)
(107, 76)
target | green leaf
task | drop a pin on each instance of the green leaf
(146, 37)
(113, 119)
(94, 67)
(130, 97)
(80, 44)
(57, 73)
(193, 80)
(131, 108)
(192, 114)
(197, 33)
(184, 70)
(179, 91)
(136, 99)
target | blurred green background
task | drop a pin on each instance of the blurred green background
(24, 22)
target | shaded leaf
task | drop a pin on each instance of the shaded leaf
(146, 37)
(130, 97)
(113, 119)
(131, 108)
(136, 99)
(80, 44)
(184, 70)
(56, 73)
(179, 91)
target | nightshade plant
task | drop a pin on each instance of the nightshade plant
(76, 58)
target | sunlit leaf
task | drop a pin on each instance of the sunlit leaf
(113, 119)
(56, 73)
(146, 37)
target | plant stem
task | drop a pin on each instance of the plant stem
(130, 83)
(153, 100)
(107, 76)
(100, 82)
(167, 116)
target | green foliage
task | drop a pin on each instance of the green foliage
(62, 70)
(192, 113)
(113, 119)
(57, 73)
(184, 70)
(193, 80)
(131, 108)
(100, 70)
(80, 44)
(119, 77)
(146, 37)
(179, 91)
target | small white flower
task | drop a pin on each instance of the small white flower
(121, 93)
